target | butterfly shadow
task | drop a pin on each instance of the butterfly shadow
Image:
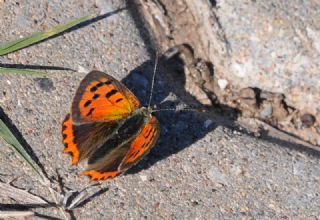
(179, 129)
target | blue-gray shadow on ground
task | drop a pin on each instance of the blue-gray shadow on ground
(179, 129)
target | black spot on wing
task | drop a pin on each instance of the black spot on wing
(111, 93)
(119, 100)
(93, 89)
(108, 82)
(90, 112)
(95, 96)
(99, 84)
(87, 103)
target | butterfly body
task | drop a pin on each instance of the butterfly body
(107, 127)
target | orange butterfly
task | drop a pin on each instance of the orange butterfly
(108, 127)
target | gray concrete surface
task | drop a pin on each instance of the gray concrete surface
(275, 46)
(198, 169)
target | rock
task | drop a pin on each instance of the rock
(207, 123)
(266, 112)
(222, 83)
(143, 177)
(307, 120)
(247, 96)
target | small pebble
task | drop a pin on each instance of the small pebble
(207, 123)
(266, 112)
(247, 93)
(222, 83)
(143, 178)
(215, 175)
(307, 120)
(81, 69)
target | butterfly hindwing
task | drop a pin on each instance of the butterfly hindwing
(82, 140)
(142, 144)
(104, 162)
(120, 154)
(100, 97)
(107, 167)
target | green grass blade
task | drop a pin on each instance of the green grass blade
(8, 137)
(37, 37)
(21, 71)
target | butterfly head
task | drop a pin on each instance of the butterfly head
(147, 111)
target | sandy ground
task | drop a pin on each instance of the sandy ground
(203, 167)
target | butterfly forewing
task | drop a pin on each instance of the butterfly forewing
(100, 97)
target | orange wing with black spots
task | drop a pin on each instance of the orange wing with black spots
(142, 144)
(100, 97)
(68, 140)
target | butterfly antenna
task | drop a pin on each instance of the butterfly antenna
(179, 110)
(153, 78)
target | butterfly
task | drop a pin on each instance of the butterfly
(107, 127)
